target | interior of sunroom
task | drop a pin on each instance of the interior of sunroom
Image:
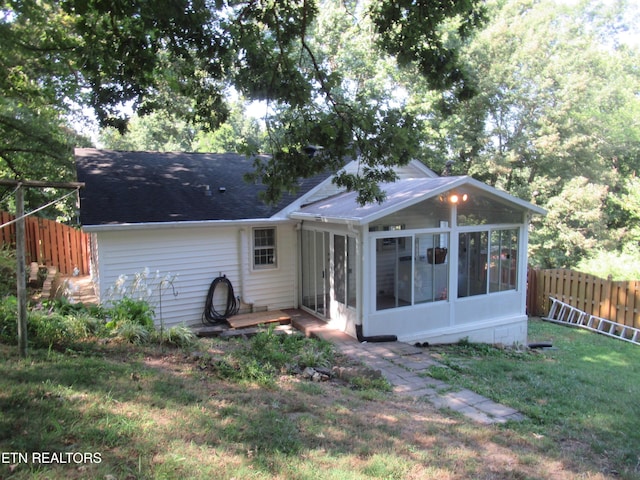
(413, 250)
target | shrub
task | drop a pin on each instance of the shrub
(83, 324)
(49, 330)
(63, 306)
(620, 265)
(7, 272)
(9, 320)
(179, 336)
(133, 332)
(129, 310)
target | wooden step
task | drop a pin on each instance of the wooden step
(258, 318)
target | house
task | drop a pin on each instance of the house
(442, 258)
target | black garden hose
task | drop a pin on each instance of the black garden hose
(210, 314)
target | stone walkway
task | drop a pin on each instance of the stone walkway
(404, 365)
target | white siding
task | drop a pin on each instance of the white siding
(415, 169)
(196, 256)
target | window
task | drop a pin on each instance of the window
(472, 264)
(344, 271)
(487, 262)
(264, 248)
(431, 267)
(504, 255)
(412, 270)
(351, 272)
(481, 209)
(394, 258)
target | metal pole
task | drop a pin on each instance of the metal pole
(21, 275)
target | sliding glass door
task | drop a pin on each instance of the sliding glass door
(315, 271)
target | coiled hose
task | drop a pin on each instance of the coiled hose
(210, 314)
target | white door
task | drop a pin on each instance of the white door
(315, 272)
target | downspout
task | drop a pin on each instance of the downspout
(374, 338)
(243, 247)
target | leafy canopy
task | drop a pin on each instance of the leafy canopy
(183, 56)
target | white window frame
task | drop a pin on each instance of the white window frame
(264, 248)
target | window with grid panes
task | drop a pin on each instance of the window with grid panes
(264, 248)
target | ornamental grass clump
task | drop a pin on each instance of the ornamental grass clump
(179, 336)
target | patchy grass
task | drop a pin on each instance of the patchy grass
(580, 397)
(150, 412)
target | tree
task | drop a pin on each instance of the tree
(553, 95)
(575, 226)
(106, 55)
(163, 131)
(240, 133)
(157, 131)
(358, 110)
(557, 100)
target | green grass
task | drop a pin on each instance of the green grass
(584, 391)
(156, 412)
(622, 266)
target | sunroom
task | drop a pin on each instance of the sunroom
(441, 259)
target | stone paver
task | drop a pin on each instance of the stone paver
(401, 364)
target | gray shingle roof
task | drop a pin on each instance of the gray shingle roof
(141, 187)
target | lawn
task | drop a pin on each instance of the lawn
(582, 393)
(111, 410)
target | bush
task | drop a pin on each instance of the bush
(129, 310)
(180, 336)
(63, 306)
(7, 272)
(46, 330)
(622, 266)
(83, 324)
(9, 320)
(133, 332)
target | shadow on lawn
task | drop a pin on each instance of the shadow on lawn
(174, 421)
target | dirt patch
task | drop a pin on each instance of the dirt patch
(333, 420)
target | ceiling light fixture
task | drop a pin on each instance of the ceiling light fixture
(454, 197)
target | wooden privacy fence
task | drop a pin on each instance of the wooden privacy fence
(50, 243)
(616, 301)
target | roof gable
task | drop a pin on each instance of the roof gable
(149, 187)
(401, 194)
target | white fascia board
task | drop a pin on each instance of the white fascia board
(311, 218)
(193, 224)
